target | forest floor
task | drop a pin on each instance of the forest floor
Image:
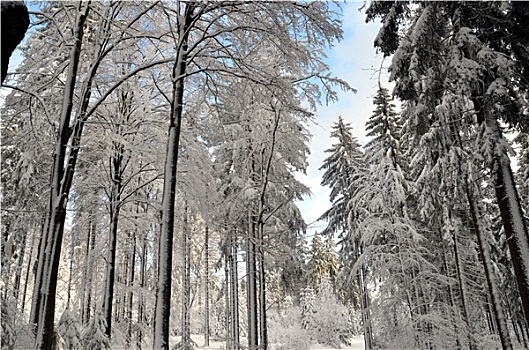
(357, 343)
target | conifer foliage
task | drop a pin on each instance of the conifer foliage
(150, 158)
(133, 131)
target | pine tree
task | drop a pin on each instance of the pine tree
(482, 47)
(69, 329)
(342, 168)
(94, 337)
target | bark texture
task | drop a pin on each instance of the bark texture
(15, 23)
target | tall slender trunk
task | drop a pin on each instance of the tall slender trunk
(20, 262)
(227, 300)
(28, 271)
(454, 305)
(234, 291)
(264, 178)
(524, 330)
(88, 271)
(463, 292)
(492, 283)
(263, 331)
(514, 224)
(206, 288)
(515, 227)
(43, 307)
(141, 300)
(165, 253)
(365, 310)
(115, 207)
(251, 279)
(130, 286)
(186, 284)
(70, 274)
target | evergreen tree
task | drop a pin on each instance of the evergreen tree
(482, 47)
(94, 337)
(342, 168)
(70, 331)
(323, 261)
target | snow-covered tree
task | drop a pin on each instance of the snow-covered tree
(94, 337)
(69, 329)
(322, 261)
(342, 168)
(482, 48)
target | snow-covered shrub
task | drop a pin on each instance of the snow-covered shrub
(355, 321)
(16, 334)
(94, 337)
(306, 306)
(285, 330)
(326, 319)
(70, 331)
(8, 318)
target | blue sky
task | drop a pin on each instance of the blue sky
(354, 59)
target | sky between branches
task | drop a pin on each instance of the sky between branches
(354, 59)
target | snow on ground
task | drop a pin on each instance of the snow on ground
(357, 343)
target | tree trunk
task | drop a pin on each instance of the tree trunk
(115, 207)
(514, 224)
(516, 233)
(206, 288)
(28, 271)
(227, 300)
(20, 262)
(251, 279)
(70, 273)
(141, 301)
(43, 308)
(87, 273)
(186, 284)
(234, 291)
(365, 308)
(165, 253)
(262, 290)
(130, 286)
(492, 283)
(463, 292)
(15, 23)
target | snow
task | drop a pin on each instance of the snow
(357, 343)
